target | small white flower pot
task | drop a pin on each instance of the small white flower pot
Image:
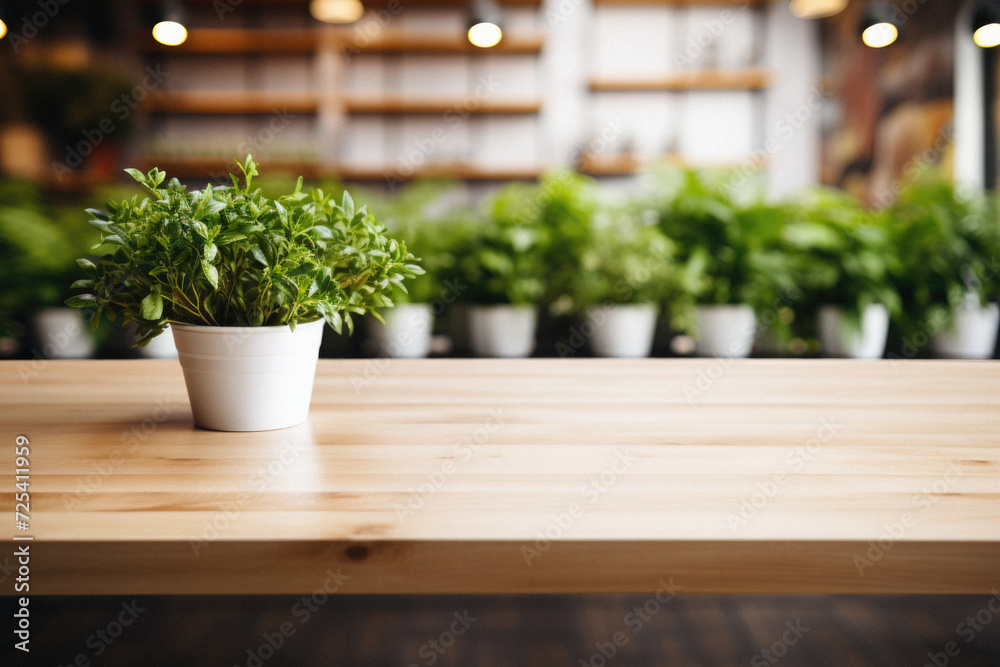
(161, 347)
(62, 333)
(973, 333)
(622, 330)
(840, 341)
(249, 378)
(725, 331)
(406, 333)
(502, 331)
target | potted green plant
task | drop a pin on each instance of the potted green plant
(949, 243)
(414, 215)
(246, 283)
(726, 248)
(35, 259)
(501, 260)
(623, 275)
(843, 258)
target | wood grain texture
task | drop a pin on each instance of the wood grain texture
(498, 476)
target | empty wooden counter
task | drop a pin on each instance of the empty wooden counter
(529, 476)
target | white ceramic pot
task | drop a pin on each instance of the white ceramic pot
(622, 330)
(62, 333)
(973, 333)
(249, 378)
(502, 331)
(840, 341)
(161, 347)
(406, 333)
(725, 331)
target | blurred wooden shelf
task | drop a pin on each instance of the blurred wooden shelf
(682, 2)
(706, 79)
(217, 168)
(239, 41)
(198, 167)
(368, 3)
(628, 164)
(398, 43)
(450, 170)
(401, 105)
(608, 165)
(235, 102)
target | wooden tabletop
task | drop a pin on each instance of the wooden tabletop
(501, 476)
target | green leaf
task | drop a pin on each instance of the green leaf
(86, 265)
(151, 307)
(211, 273)
(287, 285)
(347, 204)
(82, 284)
(137, 175)
(332, 316)
(258, 254)
(81, 301)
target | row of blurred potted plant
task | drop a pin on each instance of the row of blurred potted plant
(722, 265)
(701, 248)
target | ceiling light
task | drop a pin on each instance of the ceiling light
(336, 11)
(168, 25)
(170, 33)
(485, 20)
(986, 24)
(816, 9)
(878, 24)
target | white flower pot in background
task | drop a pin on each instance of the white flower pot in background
(839, 341)
(249, 378)
(973, 333)
(622, 330)
(62, 333)
(406, 333)
(725, 331)
(502, 331)
(161, 347)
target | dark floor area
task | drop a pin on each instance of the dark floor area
(575, 631)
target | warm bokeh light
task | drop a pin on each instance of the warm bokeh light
(336, 11)
(170, 33)
(988, 36)
(3, 29)
(816, 9)
(485, 35)
(879, 35)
